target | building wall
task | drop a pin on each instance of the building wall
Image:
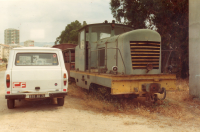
(6, 51)
(11, 36)
(29, 43)
(194, 47)
(1, 51)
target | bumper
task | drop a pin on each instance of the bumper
(53, 95)
(136, 84)
(23, 96)
(19, 96)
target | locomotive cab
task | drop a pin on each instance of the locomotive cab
(91, 49)
(117, 57)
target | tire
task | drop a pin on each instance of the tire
(60, 101)
(11, 103)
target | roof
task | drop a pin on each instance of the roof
(64, 46)
(35, 48)
(11, 29)
(104, 24)
(29, 40)
(6, 45)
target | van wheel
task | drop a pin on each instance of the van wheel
(60, 101)
(11, 103)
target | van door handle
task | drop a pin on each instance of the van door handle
(37, 88)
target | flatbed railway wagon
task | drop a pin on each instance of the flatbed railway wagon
(123, 60)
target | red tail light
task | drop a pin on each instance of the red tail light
(8, 92)
(65, 82)
(65, 90)
(8, 81)
(65, 76)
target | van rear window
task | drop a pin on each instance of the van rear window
(36, 59)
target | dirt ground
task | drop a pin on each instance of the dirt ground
(83, 111)
(179, 109)
(3, 67)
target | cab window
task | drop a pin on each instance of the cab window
(81, 39)
(100, 32)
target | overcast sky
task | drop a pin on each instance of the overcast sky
(43, 20)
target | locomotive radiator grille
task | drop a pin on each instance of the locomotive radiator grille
(143, 53)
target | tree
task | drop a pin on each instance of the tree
(4, 60)
(70, 34)
(84, 23)
(168, 17)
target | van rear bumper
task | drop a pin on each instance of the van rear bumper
(18, 96)
(53, 95)
(23, 96)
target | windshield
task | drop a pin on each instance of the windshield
(120, 30)
(36, 59)
(100, 33)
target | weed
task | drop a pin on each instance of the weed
(176, 104)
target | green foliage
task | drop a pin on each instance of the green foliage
(70, 34)
(84, 23)
(5, 60)
(168, 17)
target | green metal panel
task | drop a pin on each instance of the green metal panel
(84, 79)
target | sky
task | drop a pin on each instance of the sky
(44, 20)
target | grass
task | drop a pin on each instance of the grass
(178, 104)
(131, 123)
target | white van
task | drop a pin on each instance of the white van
(35, 73)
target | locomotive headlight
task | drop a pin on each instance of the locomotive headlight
(114, 68)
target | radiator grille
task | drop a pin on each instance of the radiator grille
(143, 53)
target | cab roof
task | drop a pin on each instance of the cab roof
(105, 24)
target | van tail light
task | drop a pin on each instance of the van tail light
(64, 76)
(8, 92)
(65, 82)
(8, 81)
(64, 90)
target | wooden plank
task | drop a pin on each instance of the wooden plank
(145, 57)
(145, 47)
(144, 63)
(143, 67)
(144, 53)
(145, 60)
(143, 50)
(146, 43)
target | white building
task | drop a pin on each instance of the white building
(29, 43)
(11, 36)
(5, 50)
(1, 51)
(15, 46)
